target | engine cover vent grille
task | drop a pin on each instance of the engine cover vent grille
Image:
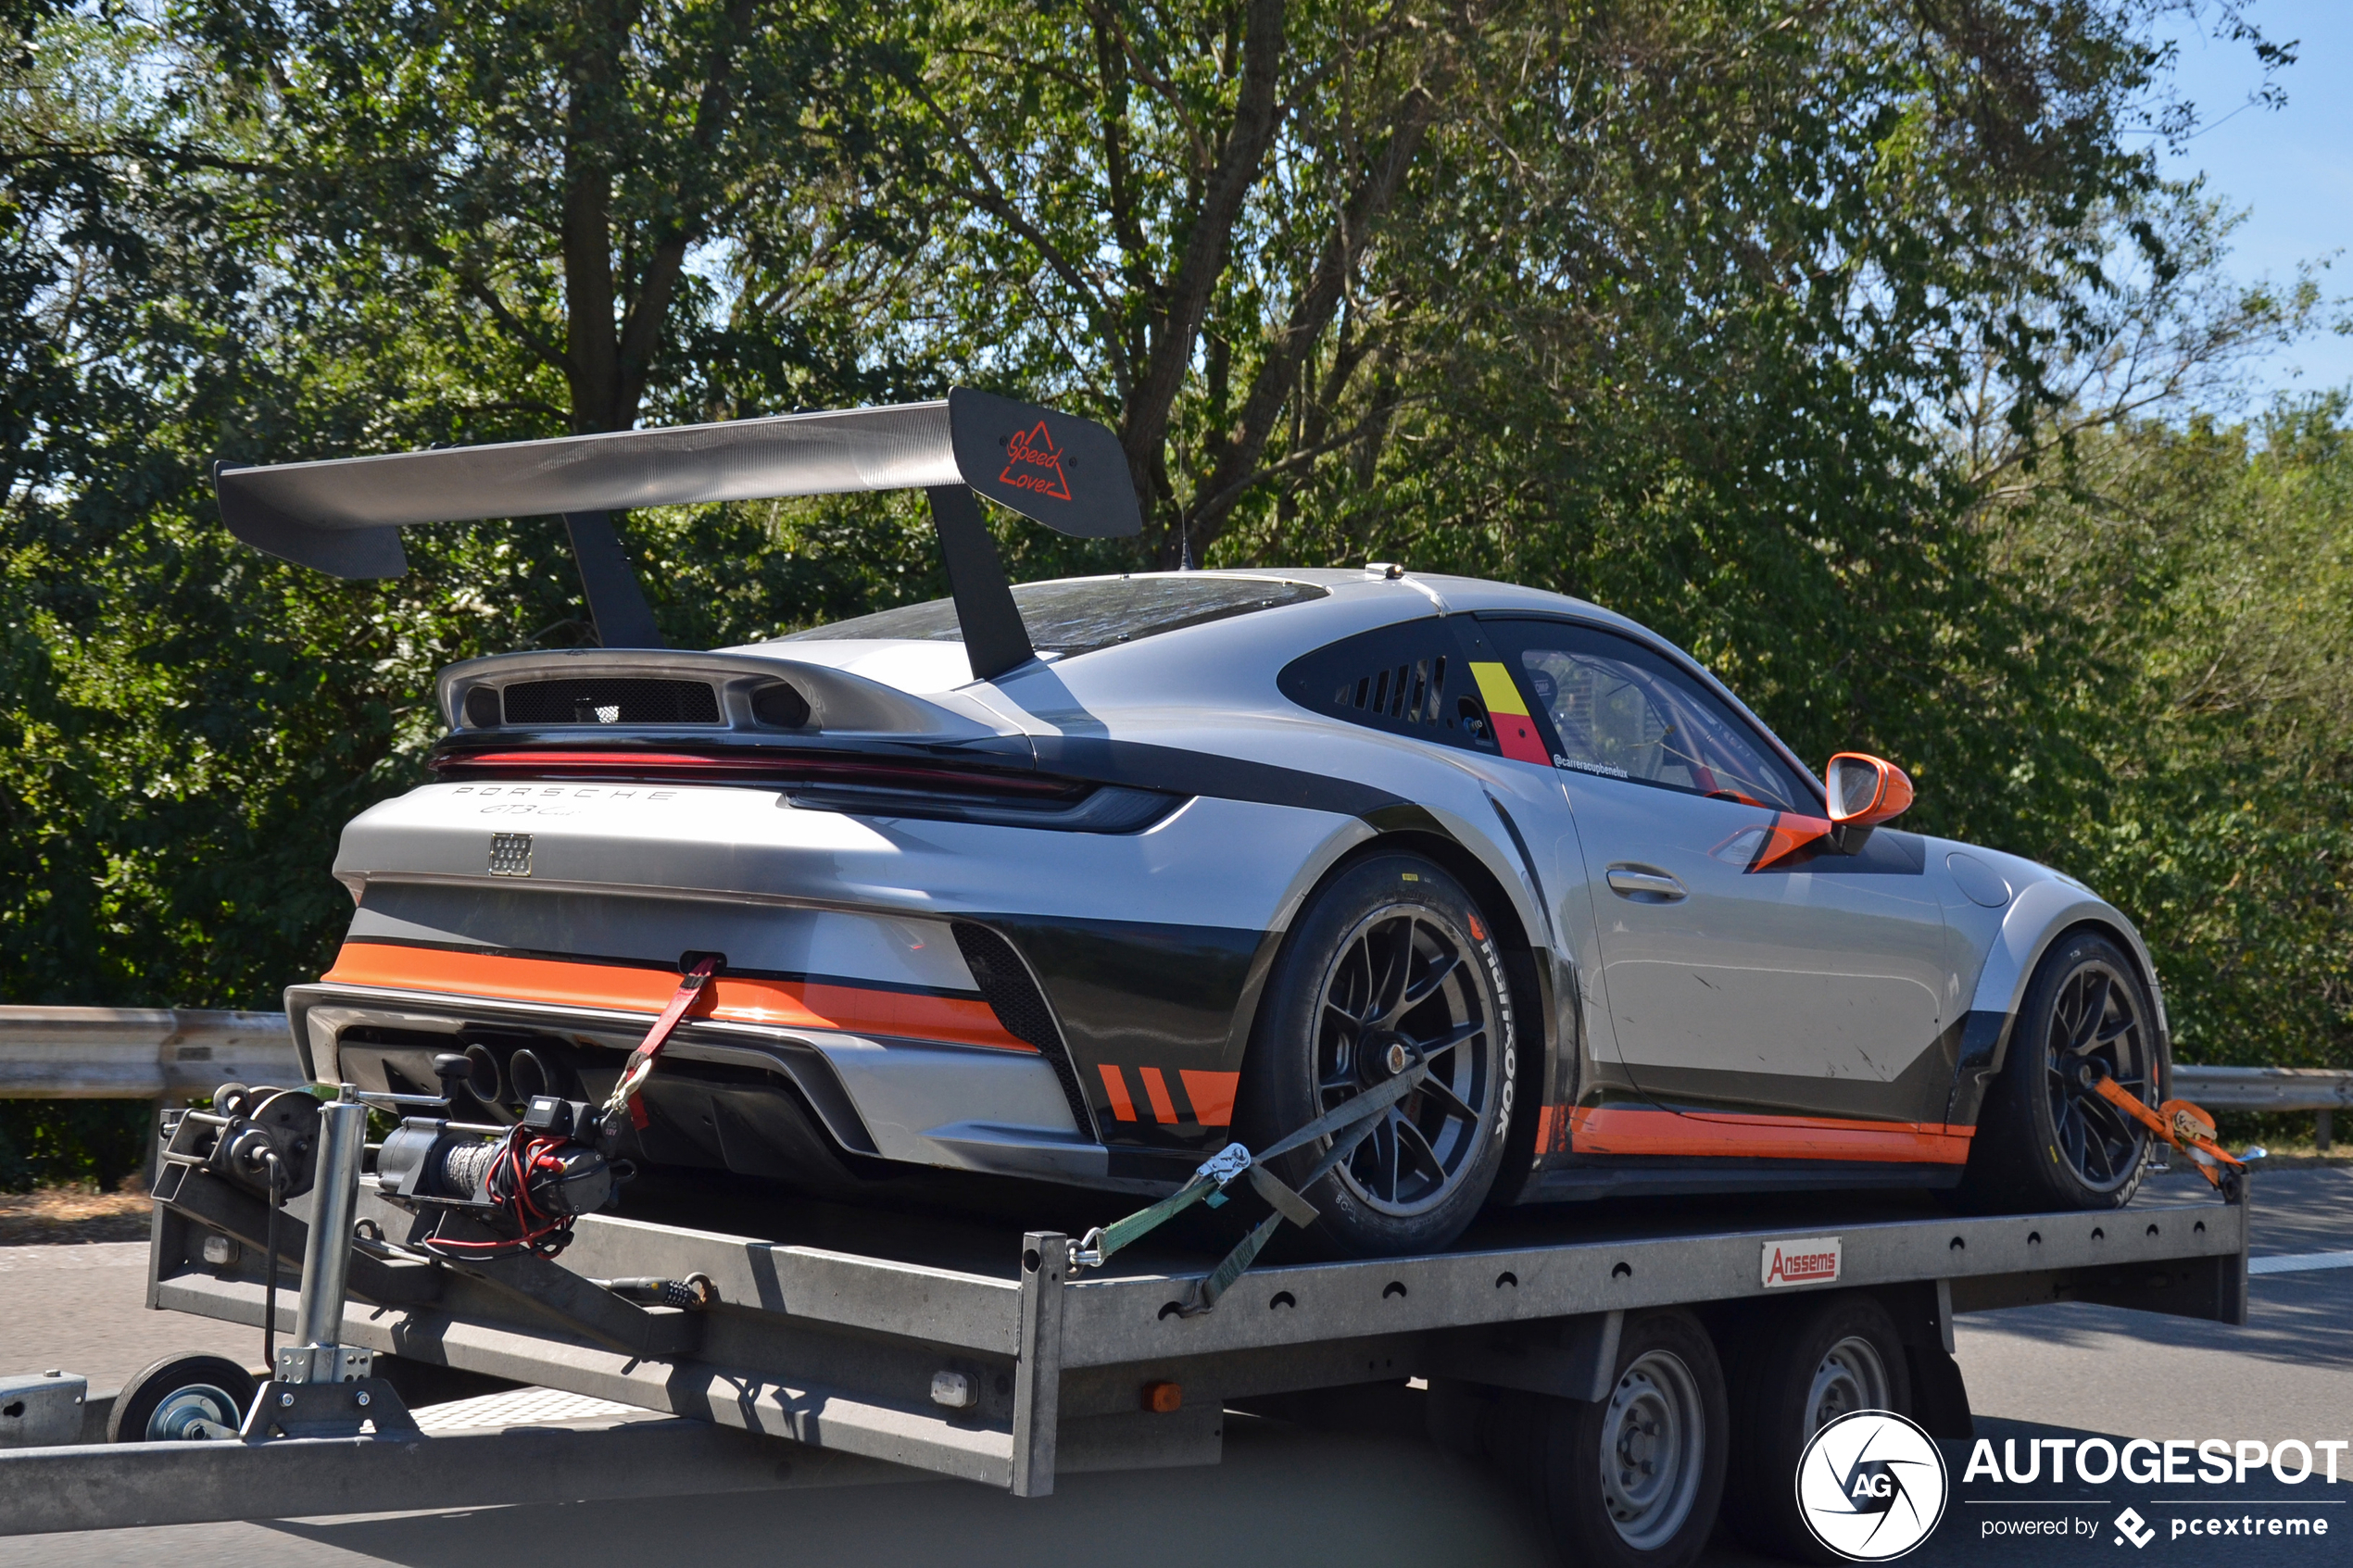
(611, 700)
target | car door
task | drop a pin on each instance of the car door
(1773, 995)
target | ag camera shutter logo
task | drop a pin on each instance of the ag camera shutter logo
(1872, 1485)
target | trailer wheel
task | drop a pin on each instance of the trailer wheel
(1633, 1480)
(1803, 1366)
(179, 1399)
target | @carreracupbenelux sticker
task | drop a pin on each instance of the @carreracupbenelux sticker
(1872, 1485)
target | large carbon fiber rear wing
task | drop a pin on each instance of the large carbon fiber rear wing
(344, 516)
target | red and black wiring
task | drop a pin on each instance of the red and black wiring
(522, 1153)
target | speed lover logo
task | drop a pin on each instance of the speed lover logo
(1872, 1485)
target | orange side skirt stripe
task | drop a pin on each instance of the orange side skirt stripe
(1611, 1129)
(792, 1004)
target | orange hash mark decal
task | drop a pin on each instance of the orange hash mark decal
(1034, 464)
(1115, 1086)
(792, 1004)
(1612, 1129)
(1156, 1089)
(1211, 1094)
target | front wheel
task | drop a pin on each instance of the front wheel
(2045, 1139)
(1391, 964)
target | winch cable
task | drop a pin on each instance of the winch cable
(520, 1153)
(640, 1065)
(1347, 1124)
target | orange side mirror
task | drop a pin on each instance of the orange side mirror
(1863, 792)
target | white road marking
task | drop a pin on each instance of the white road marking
(83, 1255)
(2300, 1262)
(520, 1407)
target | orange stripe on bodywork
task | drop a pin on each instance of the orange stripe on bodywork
(1156, 1088)
(1611, 1129)
(1789, 834)
(795, 1004)
(1551, 1129)
(1115, 1086)
(1211, 1094)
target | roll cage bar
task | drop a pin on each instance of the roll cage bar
(343, 516)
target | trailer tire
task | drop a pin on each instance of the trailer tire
(1633, 1480)
(1801, 1364)
(155, 1406)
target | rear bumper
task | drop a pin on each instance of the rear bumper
(755, 1098)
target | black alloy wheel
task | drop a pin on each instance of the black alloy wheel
(1391, 967)
(1404, 991)
(2095, 1031)
(2046, 1136)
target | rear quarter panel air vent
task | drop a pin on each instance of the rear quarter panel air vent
(613, 700)
(1012, 994)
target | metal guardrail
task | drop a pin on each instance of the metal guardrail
(2265, 1088)
(159, 1053)
(2324, 1090)
(140, 1053)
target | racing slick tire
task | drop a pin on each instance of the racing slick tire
(2044, 1139)
(1800, 1365)
(1391, 964)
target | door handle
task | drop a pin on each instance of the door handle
(1630, 882)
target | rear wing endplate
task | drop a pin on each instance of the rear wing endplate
(343, 516)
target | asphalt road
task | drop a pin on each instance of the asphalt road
(1288, 1496)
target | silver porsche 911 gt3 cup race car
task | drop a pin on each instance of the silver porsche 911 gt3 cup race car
(1079, 881)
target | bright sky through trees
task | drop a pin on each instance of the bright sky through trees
(2292, 168)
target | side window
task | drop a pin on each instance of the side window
(1409, 679)
(1619, 709)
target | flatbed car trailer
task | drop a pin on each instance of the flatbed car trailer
(915, 1350)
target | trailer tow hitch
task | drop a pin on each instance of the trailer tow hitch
(2187, 1128)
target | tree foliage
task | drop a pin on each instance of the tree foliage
(1855, 344)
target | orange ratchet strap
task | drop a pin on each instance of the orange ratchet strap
(2179, 1124)
(640, 1066)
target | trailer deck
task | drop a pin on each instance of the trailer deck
(966, 1350)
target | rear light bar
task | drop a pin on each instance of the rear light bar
(777, 770)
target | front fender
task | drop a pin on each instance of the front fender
(2039, 914)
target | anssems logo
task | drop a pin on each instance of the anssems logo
(1811, 1261)
(1033, 463)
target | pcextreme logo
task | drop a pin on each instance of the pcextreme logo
(1872, 1485)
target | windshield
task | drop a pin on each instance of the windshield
(1079, 615)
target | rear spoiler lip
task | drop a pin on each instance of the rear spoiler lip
(847, 711)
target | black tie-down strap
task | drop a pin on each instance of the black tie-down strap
(1347, 1125)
